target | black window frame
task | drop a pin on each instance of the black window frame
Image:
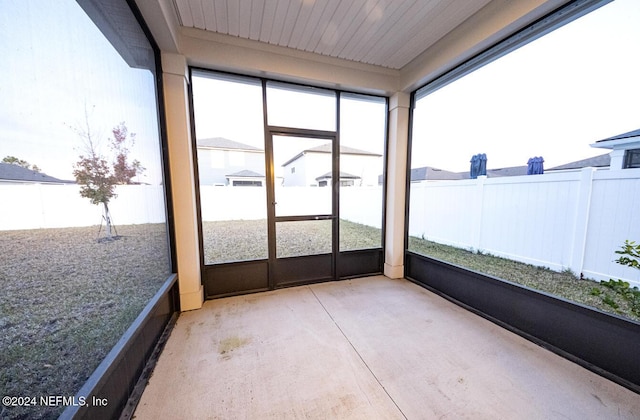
(631, 159)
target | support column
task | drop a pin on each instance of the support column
(181, 168)
(396, 184)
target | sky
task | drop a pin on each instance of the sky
(54, 72)
(233, 110)
(552, 98)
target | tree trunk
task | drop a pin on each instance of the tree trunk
(107, 219)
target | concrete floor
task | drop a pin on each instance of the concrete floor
(370, 348)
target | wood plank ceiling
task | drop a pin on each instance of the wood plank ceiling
(387, 33)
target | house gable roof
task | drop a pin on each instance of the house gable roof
(13, 172)
(594, 162)
(326, 148)
(344, 150)
(629, 140)
(634, 133)
(245, 173)
(225, 144)
(343, 175)
(508, 171)
(430, 173)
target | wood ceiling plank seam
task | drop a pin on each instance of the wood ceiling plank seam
(353, 31)
(323, 24)
(233, 17)
(197, 14)
(332, 33)
(293, 14)
(369, 28)
(208, 10)
(184, 12)
(372, 40)
(267, 20)
(257, 17)
(402, 33)
(279, 21)
(312, 24)
(220, 8)
(244, 18)
(398, 34)
(342, 24)
(174, 3)
(304, 14)
(431, 29)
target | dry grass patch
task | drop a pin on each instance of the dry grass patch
(563, 284)
(241, 240)
(67, 299)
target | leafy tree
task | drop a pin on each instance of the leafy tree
(123, 171)
(96, 177)
(20, 162)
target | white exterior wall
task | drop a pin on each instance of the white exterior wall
(365, 166)
(315, 165)
(312, 165)
(215, 164)
(300, 177)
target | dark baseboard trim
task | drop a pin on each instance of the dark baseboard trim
(603, 343)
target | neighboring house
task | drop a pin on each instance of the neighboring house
(508, 171)
(311, 167)
(245, 178)
(428, 173)
(625, 149)
(346, 179)
(227, 162)
(600, 161)
(15, 174)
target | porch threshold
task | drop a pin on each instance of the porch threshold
(365, 348)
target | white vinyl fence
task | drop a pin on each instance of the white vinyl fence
(36, 206)
(357, 204)
(572, 220)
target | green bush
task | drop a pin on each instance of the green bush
(630, 257)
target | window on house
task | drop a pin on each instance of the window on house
(74, 276)
(293, 169)
(551, 97)
(632, 158)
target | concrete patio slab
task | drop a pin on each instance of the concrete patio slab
(363, 349)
